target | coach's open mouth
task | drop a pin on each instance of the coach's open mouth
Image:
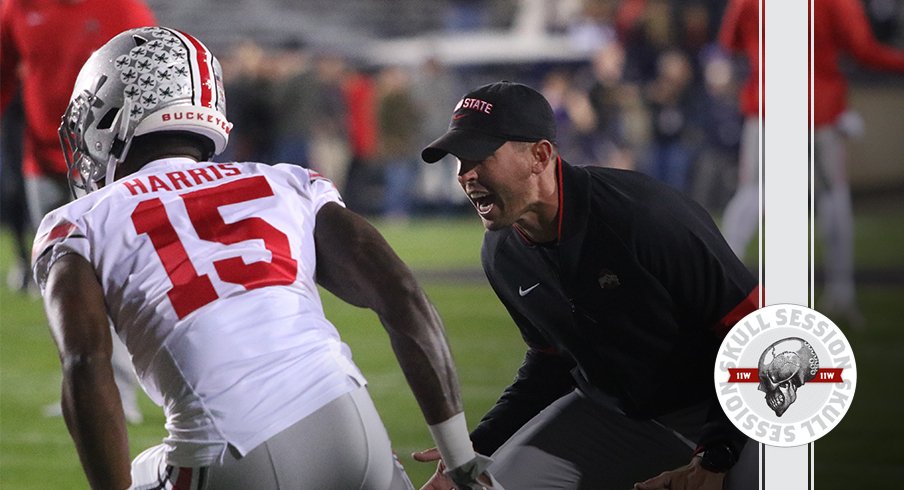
(483, 202)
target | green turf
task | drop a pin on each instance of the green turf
(863, 450)
(436, 244)
(878, 240)
(36, 452)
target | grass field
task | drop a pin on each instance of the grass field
(36, 452)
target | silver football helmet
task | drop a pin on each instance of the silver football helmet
(142, 81)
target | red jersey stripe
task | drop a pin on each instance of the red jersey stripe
(184, 480)
(59, 231)
(561, 197)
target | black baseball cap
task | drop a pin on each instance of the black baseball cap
(487, 117)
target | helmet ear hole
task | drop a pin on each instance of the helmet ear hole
(107, 121)
(209, 148)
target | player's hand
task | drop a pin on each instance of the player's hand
(439, 480)
(689, 477)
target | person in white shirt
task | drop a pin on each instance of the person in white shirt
(209, 272)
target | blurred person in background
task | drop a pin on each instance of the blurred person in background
(617, 107)
(42, 48)
(364, 180)
(398, 121)
(435, 86)
(209, 273)
(588, 23)
(645, 29)
(720, 118)
(671, 102)
(250, 78)
(329, 144)
(840, 27)
(574, 115)
(739, 34)
(694, 34)
(13, 205)
(294, 96)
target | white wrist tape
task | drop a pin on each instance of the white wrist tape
(452, 440)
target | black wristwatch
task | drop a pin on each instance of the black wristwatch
(718, 458)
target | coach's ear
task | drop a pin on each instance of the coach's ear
(543, 153)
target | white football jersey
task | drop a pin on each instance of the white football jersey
(208, 274)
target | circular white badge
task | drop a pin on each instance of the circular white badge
(785, 375)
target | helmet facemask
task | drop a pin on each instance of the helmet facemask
(84, 170)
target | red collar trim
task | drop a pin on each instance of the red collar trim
(524, 238)
(561, 197)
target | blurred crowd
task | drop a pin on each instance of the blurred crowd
(657, 95)
(361, 126)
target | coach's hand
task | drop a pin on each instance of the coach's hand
(470, 475)
(689, 477)
(439, 481)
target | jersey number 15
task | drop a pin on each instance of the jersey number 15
(191, 291)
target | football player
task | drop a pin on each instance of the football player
(209, 272)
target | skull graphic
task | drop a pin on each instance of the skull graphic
(784, 367)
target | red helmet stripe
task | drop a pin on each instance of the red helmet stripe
(203, 60)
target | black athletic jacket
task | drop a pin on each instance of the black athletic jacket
(634, 298)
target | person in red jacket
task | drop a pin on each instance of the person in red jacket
(44, 44)
(840, 28)
(740, 34)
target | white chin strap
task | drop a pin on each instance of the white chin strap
(112, 163)
(124, 134)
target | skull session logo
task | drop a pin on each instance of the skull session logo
(782, 373)
(785, 375)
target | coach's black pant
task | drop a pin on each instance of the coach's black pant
(576, 443)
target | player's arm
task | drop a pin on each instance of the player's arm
(730, 30)
(356, 264)
(76, 311)
(543, 378)
(853, 28)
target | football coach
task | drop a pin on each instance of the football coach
(622, 289)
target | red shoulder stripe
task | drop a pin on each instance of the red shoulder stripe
(57, 233)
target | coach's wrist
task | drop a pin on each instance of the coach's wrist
(718, 458)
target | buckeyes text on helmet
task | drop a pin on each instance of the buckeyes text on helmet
(142, 81)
